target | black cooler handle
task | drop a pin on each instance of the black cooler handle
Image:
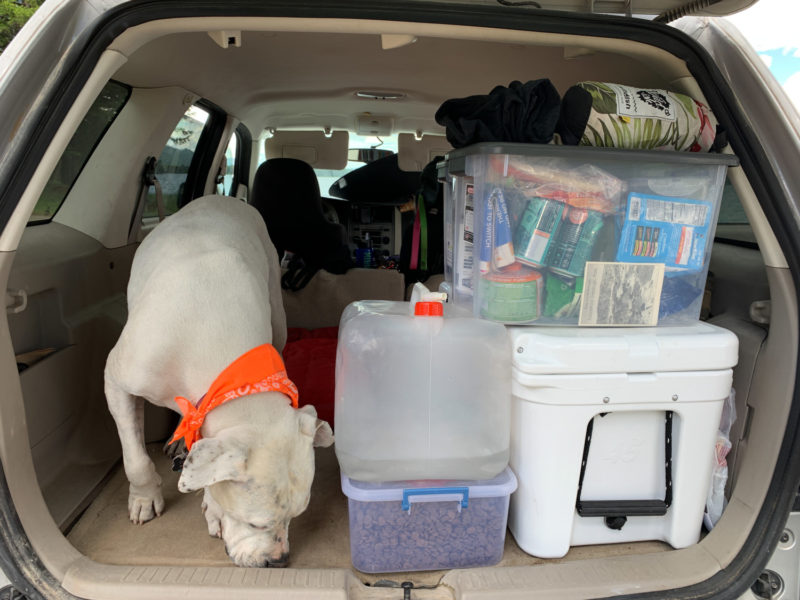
(616, 512)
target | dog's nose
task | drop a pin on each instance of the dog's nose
(280, 562)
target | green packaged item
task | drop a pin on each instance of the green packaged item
(562, 296)
(574, 241)
(513, 295)
(535, 232)
(558, 293)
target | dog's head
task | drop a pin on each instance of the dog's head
(260, 479)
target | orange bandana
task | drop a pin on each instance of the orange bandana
(258, 370)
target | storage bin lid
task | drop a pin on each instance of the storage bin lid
(455, 161)
(364, 491)
(571, 350)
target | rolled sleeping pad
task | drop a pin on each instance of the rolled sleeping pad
(620, 116)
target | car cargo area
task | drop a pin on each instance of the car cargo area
(319, 536)
(60, 446)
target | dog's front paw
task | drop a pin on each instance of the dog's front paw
(145, 505)
(177, 452)
(213, 514)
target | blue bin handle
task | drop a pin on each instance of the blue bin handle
(440, 491)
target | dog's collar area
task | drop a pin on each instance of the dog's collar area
(258, 370)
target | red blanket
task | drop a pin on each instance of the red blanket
(310, 358)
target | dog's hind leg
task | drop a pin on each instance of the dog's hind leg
(145, 500)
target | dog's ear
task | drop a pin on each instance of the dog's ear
(212, 460)
(311, 426)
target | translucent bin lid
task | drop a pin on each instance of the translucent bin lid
(455, 161)
(560, 350)
(364, 491)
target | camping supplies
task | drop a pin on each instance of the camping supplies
(613, 433)
(619, 116)
(401, 412)
(635, 227)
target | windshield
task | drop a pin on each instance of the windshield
(327, 177)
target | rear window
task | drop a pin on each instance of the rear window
(79, 149)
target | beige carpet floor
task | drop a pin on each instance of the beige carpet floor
(319, 537)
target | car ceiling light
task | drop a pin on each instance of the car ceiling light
(376, 95)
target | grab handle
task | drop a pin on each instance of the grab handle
(442, 494)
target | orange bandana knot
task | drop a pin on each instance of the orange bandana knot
(258, 370)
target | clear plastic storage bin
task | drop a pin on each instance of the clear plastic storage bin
(561, 235)
(427, 525)
(420, 397)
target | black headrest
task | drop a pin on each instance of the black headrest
(286, 193)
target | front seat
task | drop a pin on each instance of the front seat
(286, 193)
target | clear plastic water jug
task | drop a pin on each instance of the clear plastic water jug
(421, 396)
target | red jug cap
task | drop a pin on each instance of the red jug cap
(428, 309)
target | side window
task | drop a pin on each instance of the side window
(226, 184)
(173, 164)
(731, 211)
(98, 119)
(733, 227)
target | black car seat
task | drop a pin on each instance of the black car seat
(286, 193)
(430, 250)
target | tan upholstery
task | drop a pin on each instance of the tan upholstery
(321, 302)
(414, 154)
(313, 147)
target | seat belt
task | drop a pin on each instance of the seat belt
(148, 179)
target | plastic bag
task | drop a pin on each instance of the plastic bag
(716, 501)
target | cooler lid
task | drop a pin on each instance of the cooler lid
(574, 350)
(435, 489)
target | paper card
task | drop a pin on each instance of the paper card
(619, 294)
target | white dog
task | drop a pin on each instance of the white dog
(205, 290)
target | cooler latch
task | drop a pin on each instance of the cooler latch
(616, 512)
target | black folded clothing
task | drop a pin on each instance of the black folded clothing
(522, 112)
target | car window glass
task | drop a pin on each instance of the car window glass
(327, 177)
(731, 211)
(173, 163)
(85, 139)
(732, 224)
(231, 154)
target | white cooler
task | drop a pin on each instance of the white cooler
(595, 415)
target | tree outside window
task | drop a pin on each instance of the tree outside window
(13, 15)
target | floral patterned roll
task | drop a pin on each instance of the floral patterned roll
(620, 116)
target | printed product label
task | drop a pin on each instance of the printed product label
(469, 215)
(536, 229)
(636, 102)
(672, 231)
(574, 242)
(464, 251)
(511, 302)
(497, 250)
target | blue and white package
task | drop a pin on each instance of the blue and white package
(497, 249)
(487, 235)
(503, 246)
(660, 229)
